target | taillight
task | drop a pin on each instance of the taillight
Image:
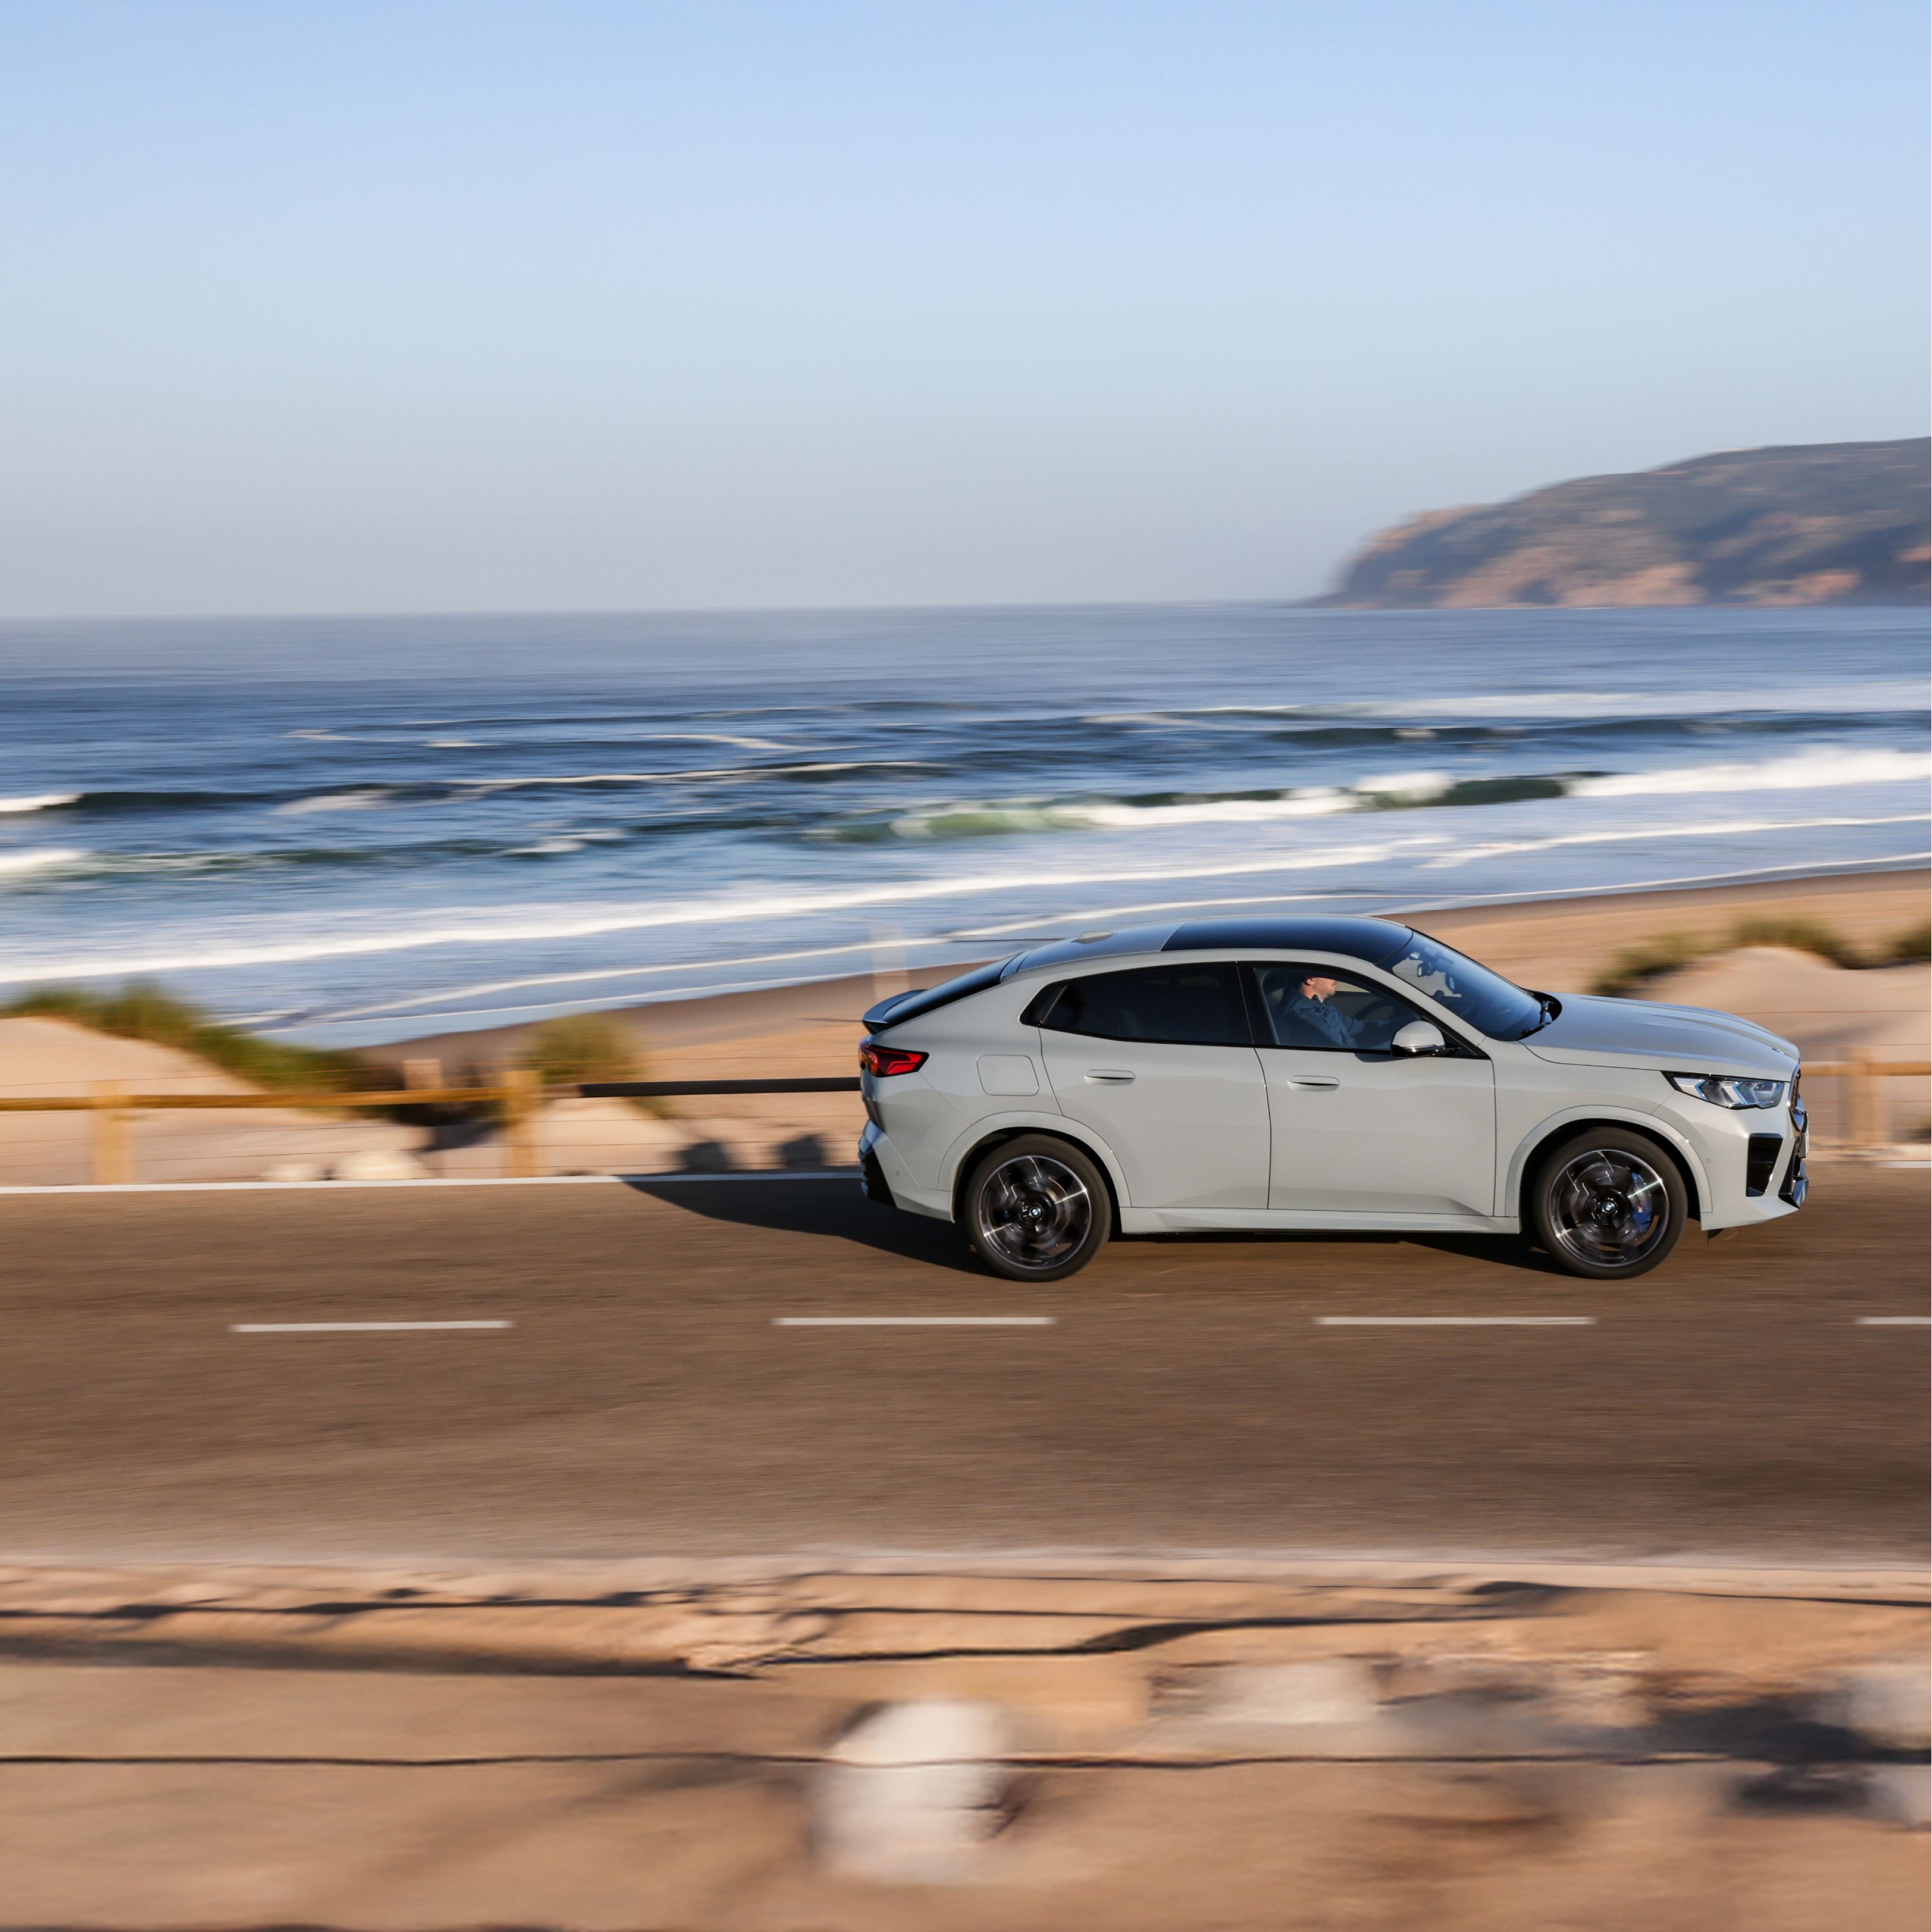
(879, 1061)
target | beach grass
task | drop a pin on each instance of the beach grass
(1636, 965)
(142, 1010)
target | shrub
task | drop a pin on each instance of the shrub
(1655, 957)
(1801, 935)
(582, 1047)
(142, 1010)
(1912, 948)
(1635, 965)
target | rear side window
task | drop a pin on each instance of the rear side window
(1179, 1005)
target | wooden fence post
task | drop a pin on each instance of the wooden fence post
(524, 1160)
(1867, 1106)
(112, 1164)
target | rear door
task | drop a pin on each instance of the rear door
(1157, 1061)
(1355, 1128)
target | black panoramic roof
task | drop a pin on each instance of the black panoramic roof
(1377, 941)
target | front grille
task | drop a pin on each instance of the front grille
(1760, 1158)
(1797, 1183)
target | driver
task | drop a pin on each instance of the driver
(1313, 1005)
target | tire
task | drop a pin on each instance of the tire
(1608, 1204)
(1036, 1209)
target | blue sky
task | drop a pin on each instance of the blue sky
(553, 306)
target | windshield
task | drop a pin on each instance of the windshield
(1490, 1003)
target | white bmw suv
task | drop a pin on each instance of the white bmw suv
(1316, 1073)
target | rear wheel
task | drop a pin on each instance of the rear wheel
(1608, 1204)
(1036, 1209)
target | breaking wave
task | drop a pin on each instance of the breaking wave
(1394, 791)
(42, 801)
(41, 858)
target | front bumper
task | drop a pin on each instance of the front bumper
(1753, 1162)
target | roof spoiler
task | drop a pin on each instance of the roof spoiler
(880, 1015)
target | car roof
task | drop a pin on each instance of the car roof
(1377, 941)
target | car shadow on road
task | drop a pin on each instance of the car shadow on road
(825, 1208)
(816, 1207)
(1497, 1250)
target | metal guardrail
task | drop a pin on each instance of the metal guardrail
(520, 1093)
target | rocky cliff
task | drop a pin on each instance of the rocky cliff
(1827, 523)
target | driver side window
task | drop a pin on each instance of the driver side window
(1317, 1008)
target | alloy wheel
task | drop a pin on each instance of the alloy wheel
(1034, 1211)
(1608, 1208)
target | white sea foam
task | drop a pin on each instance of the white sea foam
(1851, 697)
(967, 820)
(39, 801)
(363, 799)
(480, 786)
(41, 858)
(1803, 770)
(1810, 770)
(476, 926)
(708, 738)
(1311, 801)
(1632, 834)
(1405, 788)
(489, 988)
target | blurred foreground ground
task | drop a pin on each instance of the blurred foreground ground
(893, 1749)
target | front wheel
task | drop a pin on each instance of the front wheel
(1608, 1204)
(1036, 1209)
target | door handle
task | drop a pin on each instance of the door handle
(1322, 1080)
(1110, 1076)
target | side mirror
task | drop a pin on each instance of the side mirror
(1418, 1039)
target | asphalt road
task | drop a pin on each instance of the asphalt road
(1187, 1396)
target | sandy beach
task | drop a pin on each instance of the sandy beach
(1560, 945)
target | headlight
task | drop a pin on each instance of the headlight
(1723, 1090)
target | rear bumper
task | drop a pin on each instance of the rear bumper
(872, 1178)
(885, 1177)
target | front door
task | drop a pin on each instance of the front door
(1157, 1061)
(1358, 1129)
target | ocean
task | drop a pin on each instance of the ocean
(352, 830)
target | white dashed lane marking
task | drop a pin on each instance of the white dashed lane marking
(1895, 1321)
(1455, 1320)
(914, 1320)
(350, 1327)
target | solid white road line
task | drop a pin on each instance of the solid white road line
(914, 1320)
(1456, 1321)
(348, 1327)
(1895, 1321)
